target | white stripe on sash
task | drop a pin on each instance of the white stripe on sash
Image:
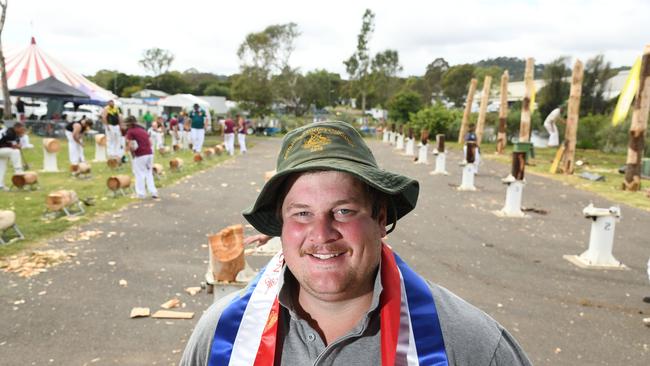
(256, 314)
(406, 352)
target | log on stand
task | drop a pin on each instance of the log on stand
(62, 201)
(50, 148)
(164, 150)
(468, 110)
(25, 180)
(227, 248)
(176, 164)
(529, 83)
(114, 163)
(503, 114)
(640, 110)
(158, 170)
(209, 153)
(571, 132)
(117, 184)
(81, 170)
(7, 222)
(198, 158)
(100, 147)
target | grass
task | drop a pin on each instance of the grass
(598, 162)
(30, 205)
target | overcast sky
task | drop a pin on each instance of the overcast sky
(90, 35)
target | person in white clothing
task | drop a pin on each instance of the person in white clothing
(550, 124)
(228, 131)
(10, 150)
(112, 119)
(241, 134)
(75, 132)
(199, 121)
(142, 163)
(156, 135)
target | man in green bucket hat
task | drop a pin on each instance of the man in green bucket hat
(337, 294)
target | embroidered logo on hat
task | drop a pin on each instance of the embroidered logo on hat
(315, 139)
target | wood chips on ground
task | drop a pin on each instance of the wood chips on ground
(36, 262)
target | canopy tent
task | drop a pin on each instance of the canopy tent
(186, 101)
(51, 88)
(31, 65)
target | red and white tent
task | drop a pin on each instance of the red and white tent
(31, 65)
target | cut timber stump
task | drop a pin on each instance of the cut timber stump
(51, 145)
(482, 113)
(571, 131)
(175, 164)
(61, 201)
(209, 152)
(158, 170)
(7, 219)
(529, 83)
(114, 163)
(227, 247)
(219, 149)
(503, 114)
(22, 180)
(468, 109)
(198, 158)
(164, 150)
(118, 182)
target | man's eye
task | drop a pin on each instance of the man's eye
(301, 213)
(344, 211)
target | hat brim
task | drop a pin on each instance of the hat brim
(402, 190)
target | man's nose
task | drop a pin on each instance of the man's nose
(324, 230)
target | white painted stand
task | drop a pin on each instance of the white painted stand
(49, 162)
(399, 144)
(392, 138)
(514, 192)
(422, 155)
(386, 137)
(441, 164)
(467, 182)
(100, 153)
(601, 240)
(409, 150)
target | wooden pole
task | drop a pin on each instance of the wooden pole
(638, 127)
(529, 79)
(503, 114)
(440, 142)
(518, 164)
(485, 95)
(571, 131)
(468, 110)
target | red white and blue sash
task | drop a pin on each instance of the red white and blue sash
(410, 328)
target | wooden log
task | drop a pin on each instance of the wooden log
(175, 164)
(424, 136)
(74, 168)
(57, 200)
(468, 110)
(227, 247)
(524, 125)
(518, 164)
(100, 139)
(83, 168)
(209, 152)
(640, 110)
(51, 145)
(24, 179)
(176, 147)
(114, 163)
(120, 181)
(198, 158)
(571, 132)
(503, 114)
(440, 143)
(482, 112)
(219, 149)
(158, 169)
(7, 219)
(164, 150)
(470, 157)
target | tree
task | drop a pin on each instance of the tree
(172, 82)
(433, 79)
(556, 90)
(156, 60)
(322, 88)
(261, 55)
(288, 89)
(403, 104)
(217, 89)
(358, 64)
(3, 69)
(385, 66)
(436, 119)
(597, 72)
(455, 81)
(481, 72)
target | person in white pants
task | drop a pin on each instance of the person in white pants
(10, 150)
(199, 125)
(241, 134)
(550, 124)
(112, 118)
(156, 136)
(229, 136)
(75, 132)
(142, 163)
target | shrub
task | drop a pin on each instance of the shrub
(436, 119)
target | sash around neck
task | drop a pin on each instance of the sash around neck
(246, 332)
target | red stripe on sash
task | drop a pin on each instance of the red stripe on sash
(266, 351)
(390, 302)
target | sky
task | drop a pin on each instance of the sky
(88, 35)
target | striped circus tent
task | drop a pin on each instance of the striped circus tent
(30, 65)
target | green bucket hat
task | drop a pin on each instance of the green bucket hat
(336, 146)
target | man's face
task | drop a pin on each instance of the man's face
(330, 241)
(110, 103)
(20, 131)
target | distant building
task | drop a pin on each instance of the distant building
(217, 104)
(149, 94)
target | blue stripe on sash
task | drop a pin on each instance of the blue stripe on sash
(228, 326)
(429, 343)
